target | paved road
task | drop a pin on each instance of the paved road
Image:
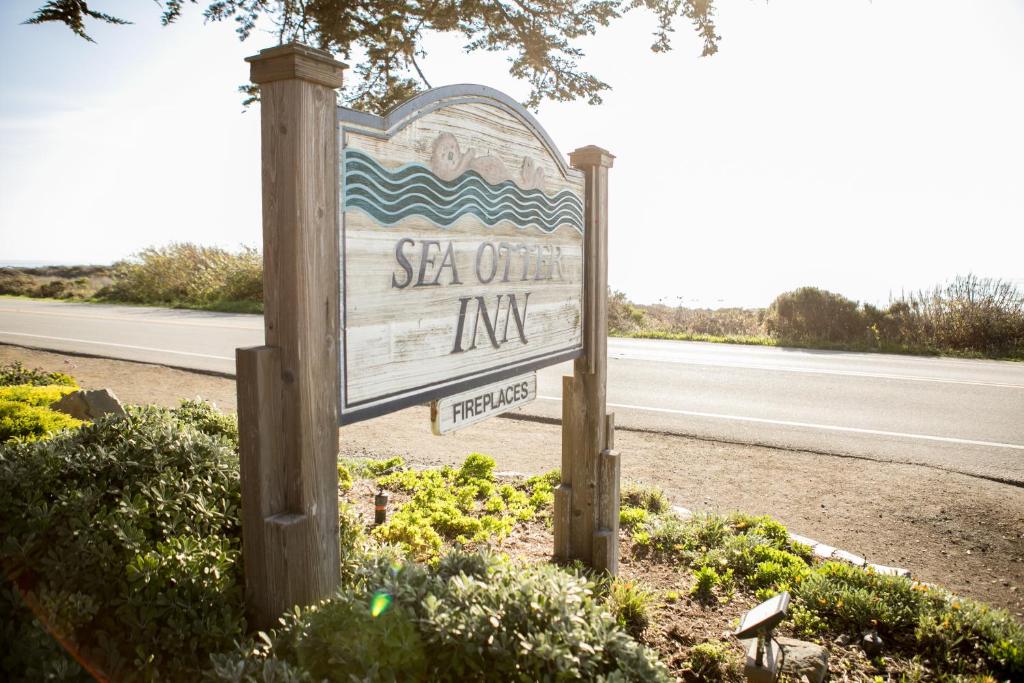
(962, 415)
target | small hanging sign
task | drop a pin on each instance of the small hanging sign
(469, 407)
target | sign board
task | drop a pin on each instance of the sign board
(461, 249)
(469, 407)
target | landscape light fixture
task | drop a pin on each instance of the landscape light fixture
(380, 507)
(764, 656)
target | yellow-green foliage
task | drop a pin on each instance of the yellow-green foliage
(630, 602)
(43, 396)
(184, 273)
(707, 660)
(542, 488)
(464, 505)
(649, 498)
(344, 478)
(630, 517)
(25, 413)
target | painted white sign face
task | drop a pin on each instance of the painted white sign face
(476, 405)
(462, 249)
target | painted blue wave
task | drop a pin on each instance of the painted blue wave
(389, 196)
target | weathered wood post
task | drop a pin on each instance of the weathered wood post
(287, 401)
(586, 514)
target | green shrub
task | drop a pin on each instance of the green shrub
(34, 395)
(22, 422)
(206, 418)
(851, 599)
(344, 478)
(964, 633)
(630, 603)
(184, 273)
(25, 414)
(542, 489)
(16, 283)
(476, 467)
(496, 621)
(630, 517)
(377, 468)
(667, 535)
(706, 532)
(15, 373)
(126, 532)
(809, 315)
(967, 637)
(704, 581)
(707, 660)
(352, 638)
(650, 498)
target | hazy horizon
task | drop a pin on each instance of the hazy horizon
(865, 148)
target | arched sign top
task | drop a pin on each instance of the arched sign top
(448, 95)
(462, 231)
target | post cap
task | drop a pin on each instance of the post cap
(591, 155)
(295, 61)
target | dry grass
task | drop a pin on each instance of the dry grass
(968, 316)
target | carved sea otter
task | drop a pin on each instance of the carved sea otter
(448, 162)
(532, 175)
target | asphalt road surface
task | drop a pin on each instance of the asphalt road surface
(959, 415)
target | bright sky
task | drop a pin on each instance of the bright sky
(859, 146)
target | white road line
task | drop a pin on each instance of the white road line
(129, 318)
(808, 425)
(814, 371)
(119, 346)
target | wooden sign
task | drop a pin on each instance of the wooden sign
(462, 234)
(441, 249)
(476, 405)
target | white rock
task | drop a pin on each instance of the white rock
(89, 405)
(804, 660)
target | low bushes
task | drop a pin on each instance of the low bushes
(191, 275)
(15, 373)
(121, 544)
(25, 399)
(124, 535)
(474, 617)
(53, 282)
(967, 637)
(810, 314)
(962, 637)
(968, 315)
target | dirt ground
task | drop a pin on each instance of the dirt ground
(962, 532)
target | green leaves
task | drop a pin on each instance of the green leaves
(384, 38)
(15, 373)
(464, 505)
(474, 617)
(25, 414)
(71, 13)
(130, 528)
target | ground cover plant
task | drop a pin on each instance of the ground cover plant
(120, 543)
(734, 561)
(25, 399)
